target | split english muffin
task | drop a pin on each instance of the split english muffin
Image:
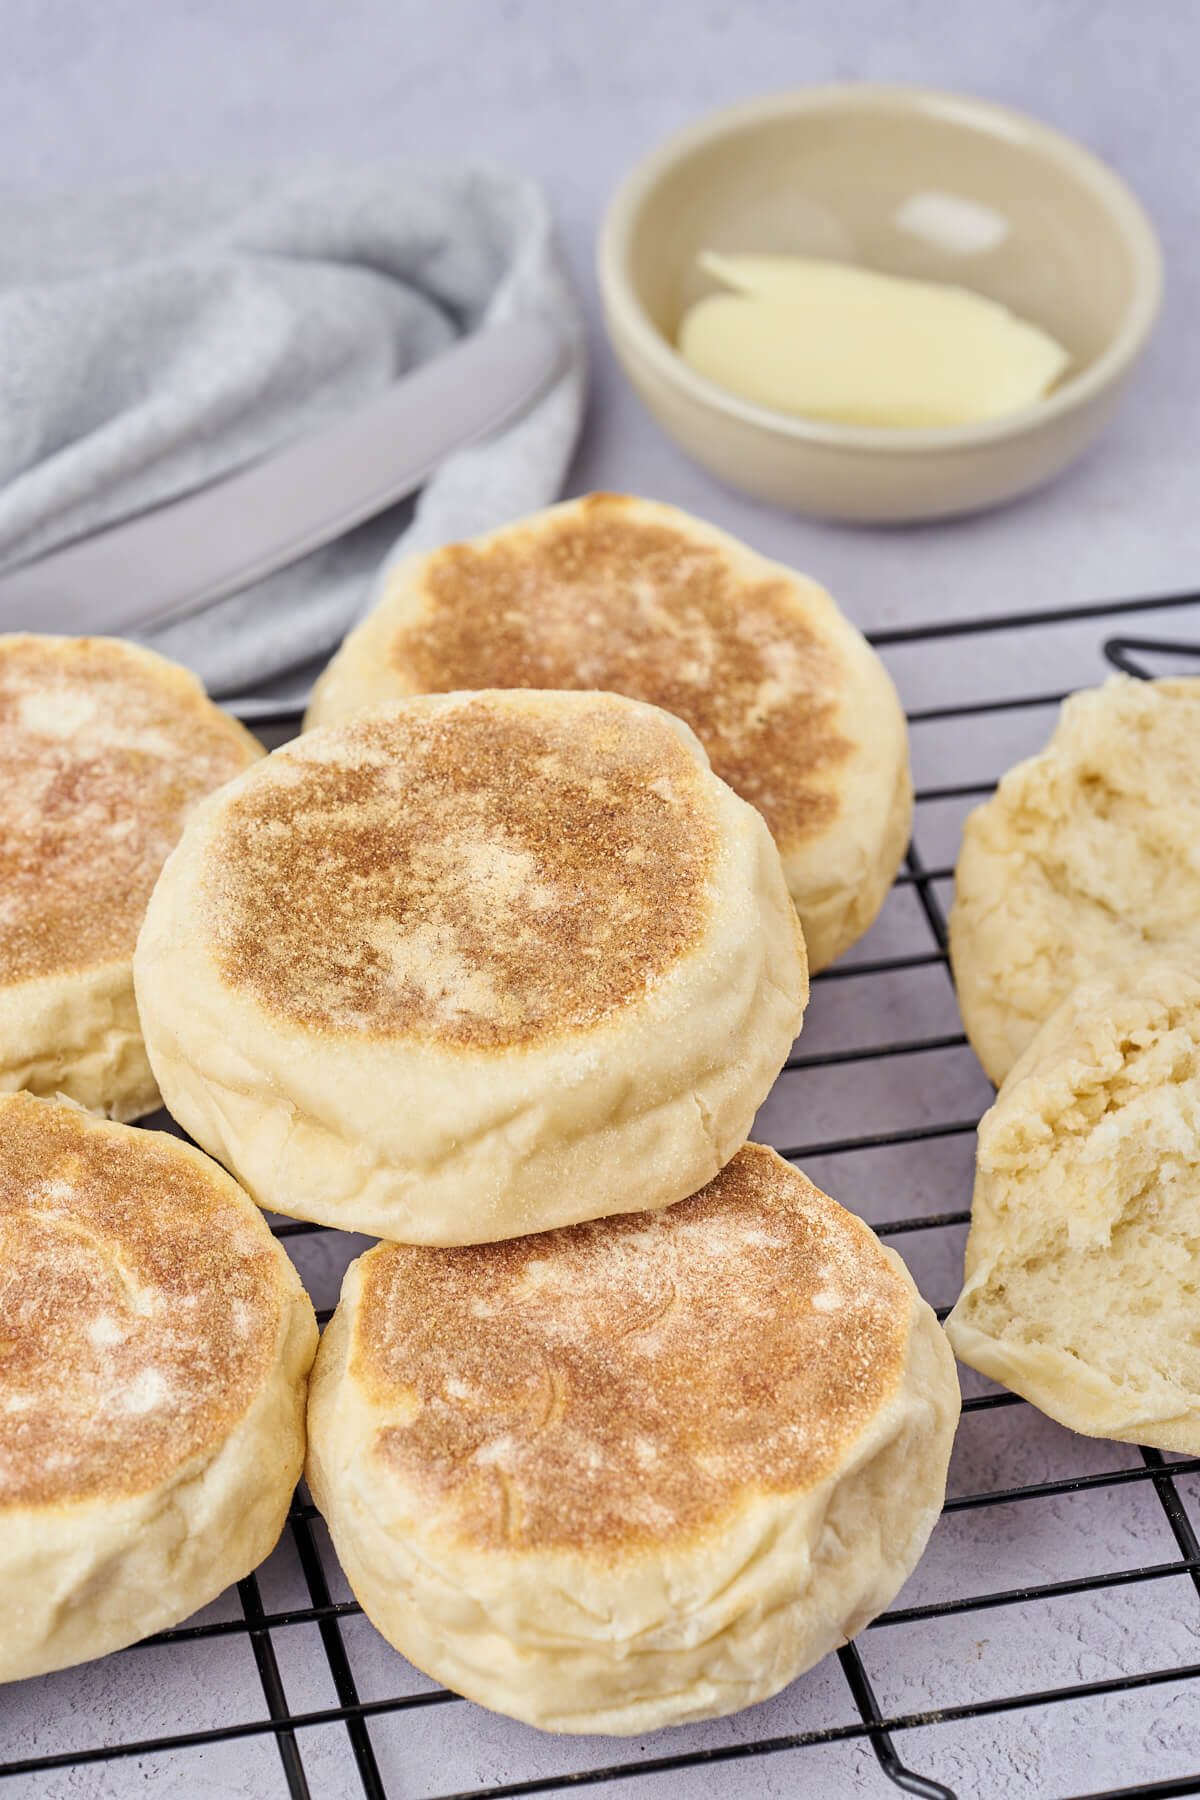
(154, 1348)
(105, 749)
(1087, 855)
(1083, 1260)
(473, 965)
(637, 1472)
(794, 708)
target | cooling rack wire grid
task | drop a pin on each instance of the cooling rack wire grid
(1049, 1642)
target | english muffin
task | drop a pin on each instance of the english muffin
(154, 1348)
(636, 1472)
(796, 711)
(1087, 855)
(1083, 1260)
(105, 749)
(473, 965)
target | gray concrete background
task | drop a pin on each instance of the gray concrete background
(220, 99)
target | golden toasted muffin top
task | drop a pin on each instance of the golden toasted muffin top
(481, 873)
(608, 1385)
(104, 752)
(595, 597)
(139, 1305)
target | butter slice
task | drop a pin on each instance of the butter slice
(834, 341)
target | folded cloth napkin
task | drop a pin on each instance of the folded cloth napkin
(124, 388)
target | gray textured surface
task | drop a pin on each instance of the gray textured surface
(214, 102)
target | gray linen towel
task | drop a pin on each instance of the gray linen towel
(124, 388)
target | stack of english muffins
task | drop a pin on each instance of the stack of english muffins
(624, 1423)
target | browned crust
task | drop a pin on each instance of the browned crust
(627, 1382)
(138, 1307)
(104, 754)
(480, 875)
(594, 598)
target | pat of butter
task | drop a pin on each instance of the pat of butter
(834, 341)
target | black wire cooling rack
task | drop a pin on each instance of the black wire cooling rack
(699, 1770)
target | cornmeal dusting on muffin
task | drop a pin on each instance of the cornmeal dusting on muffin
(603, 1385)
(104, 755)
(598, 599)
(481, 874)
(138, 1307)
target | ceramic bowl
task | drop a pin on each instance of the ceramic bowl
(912, 182)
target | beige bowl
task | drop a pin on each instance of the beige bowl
(915, 183)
